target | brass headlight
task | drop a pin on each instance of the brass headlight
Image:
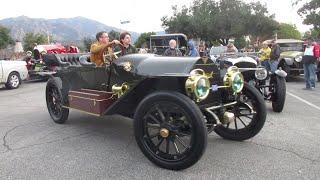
(198, 85)
(234, 79)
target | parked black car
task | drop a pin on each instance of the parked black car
(272, 86)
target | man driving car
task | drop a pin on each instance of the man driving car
(100, 47)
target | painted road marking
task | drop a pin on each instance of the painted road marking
(305, 101)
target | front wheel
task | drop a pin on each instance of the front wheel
(250, 115)
(278, 93)
(170, 131)
(55, 99)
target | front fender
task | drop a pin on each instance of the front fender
(57, 80)
(289, 61)
(281, 73)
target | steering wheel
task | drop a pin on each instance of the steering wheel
(109, 58)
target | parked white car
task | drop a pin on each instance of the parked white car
(12, 73)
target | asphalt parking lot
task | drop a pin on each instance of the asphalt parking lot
(87, 147)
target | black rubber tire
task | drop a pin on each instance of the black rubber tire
(199, 142)
(12, 81)
(256, 123)
(278, 97)
(64, 112)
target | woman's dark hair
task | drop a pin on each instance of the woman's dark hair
(123, 35)
(99, 34)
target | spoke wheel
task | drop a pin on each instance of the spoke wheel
(55, 101)
(170, 130)
(250, 115)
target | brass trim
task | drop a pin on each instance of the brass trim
(83, 111)
(164, 132)
(84, 93)
(120, 90)
(95, 90)
(71, 96)
(191, 84)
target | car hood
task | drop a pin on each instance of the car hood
(154, 65)
(291, 54)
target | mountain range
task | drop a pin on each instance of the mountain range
(65, 30)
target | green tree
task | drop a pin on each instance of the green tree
(181, 21)
(143, 39)
(310, 12)
(240, 42)
(288, 31)
(31, 38)
(114, 35)
(221, 20)
(87, 41)
(5, 38)
(313, 34)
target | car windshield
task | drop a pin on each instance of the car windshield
(160, 42)
(291, 47)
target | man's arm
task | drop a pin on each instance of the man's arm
(99, 47)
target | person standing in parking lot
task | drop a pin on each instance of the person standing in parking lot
(274, 56)
(100, 47)
(172, 50)
(309, 59)
(193, 52)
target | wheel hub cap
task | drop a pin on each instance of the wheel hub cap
(164, 132)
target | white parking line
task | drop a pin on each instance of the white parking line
(305, 101)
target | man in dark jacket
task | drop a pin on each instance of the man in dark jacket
(126, 47)
(172, 50)
(274, 56)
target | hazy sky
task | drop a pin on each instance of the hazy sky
(144, 15)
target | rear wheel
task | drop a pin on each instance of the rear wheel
(13, 81)
(250, 115)
(55, 99)
(170, 131)
(278, 93)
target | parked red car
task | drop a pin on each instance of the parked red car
(38, 69)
